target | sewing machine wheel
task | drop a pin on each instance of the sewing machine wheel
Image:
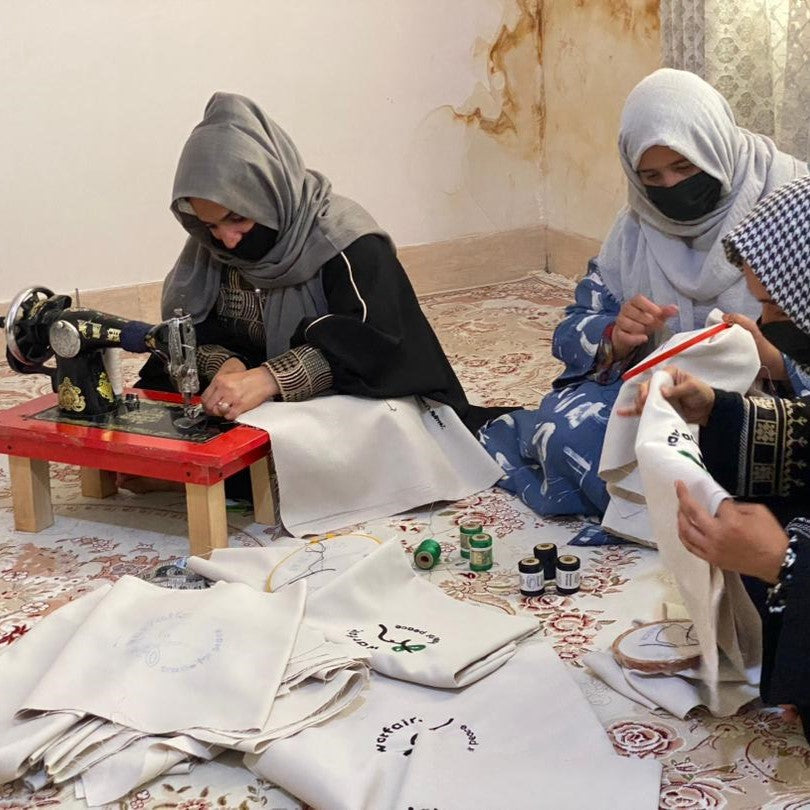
(19, 344)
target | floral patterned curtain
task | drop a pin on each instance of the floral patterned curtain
(755, 52)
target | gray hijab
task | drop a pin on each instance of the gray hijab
(237, 157)
(684, 263)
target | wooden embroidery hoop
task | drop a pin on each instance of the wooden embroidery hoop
(662, 656)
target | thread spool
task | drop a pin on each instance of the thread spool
(568, 576)
(532, 581)
(480, 552)
(466, 530)
(547, 554)
(115, 373)
(427, 554)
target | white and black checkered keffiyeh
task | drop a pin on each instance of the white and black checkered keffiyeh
(774, 241)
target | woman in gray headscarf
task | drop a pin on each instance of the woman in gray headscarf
(294, 289)
(692, 174)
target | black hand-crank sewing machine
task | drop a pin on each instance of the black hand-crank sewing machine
(40, 325)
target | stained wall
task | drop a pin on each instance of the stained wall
(595, 51)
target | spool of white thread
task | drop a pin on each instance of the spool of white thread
(115, 372)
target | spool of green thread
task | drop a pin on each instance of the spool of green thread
(480, 552)
(427, 554)
(466, 530)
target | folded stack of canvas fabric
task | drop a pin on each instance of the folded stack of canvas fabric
(404, 453)
(411, 629)
(728, 360)
(401, 745)
(132, 680)
(408, 628)
(320, 680)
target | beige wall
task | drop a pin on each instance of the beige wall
(425, 111)
(594, 52)
(446, 119)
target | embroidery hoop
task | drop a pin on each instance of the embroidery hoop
(664, 655)
(317, 540)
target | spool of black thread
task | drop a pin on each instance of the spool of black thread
(547, 554)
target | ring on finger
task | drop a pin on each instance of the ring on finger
(223, 406)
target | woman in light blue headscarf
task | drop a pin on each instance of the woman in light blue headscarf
(693, 174)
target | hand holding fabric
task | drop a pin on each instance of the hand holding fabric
(690, 396)
(637, 320)
(742, 537)
(772, 361)
(232, 392)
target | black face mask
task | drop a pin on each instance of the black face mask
(690, 199)
(789, 339)
(255, 244)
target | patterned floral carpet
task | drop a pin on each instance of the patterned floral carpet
(498, 339)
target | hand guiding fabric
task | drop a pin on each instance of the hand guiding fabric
(742, 537)
(637, 320)
(235, 390)
(690, 396)
(773, 364)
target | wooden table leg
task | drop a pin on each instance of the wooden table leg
(98, 483)
(30, 493)
(263, 487)
(207, 519)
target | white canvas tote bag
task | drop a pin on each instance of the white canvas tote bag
(528, 717)
(22, 665)
(159, 660)
(724, 617)
(411, 629)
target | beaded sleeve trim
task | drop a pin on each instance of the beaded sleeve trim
(798, 530)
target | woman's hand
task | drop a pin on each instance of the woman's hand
(743, 537)
(770, 357)
(690, 396)
(637, 320)
(235, 390)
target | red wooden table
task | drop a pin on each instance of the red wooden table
(102, 452)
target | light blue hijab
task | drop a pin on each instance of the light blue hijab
(684, 263)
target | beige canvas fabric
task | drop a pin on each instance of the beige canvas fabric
(677, 694)
(140, 762)
(320, 680)
(529, 717)
(729, 360)
(409, 627)
(724, 617)
(22, 665)
(131, 638)
(140, 655)
(403, 453)
(271, 568)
